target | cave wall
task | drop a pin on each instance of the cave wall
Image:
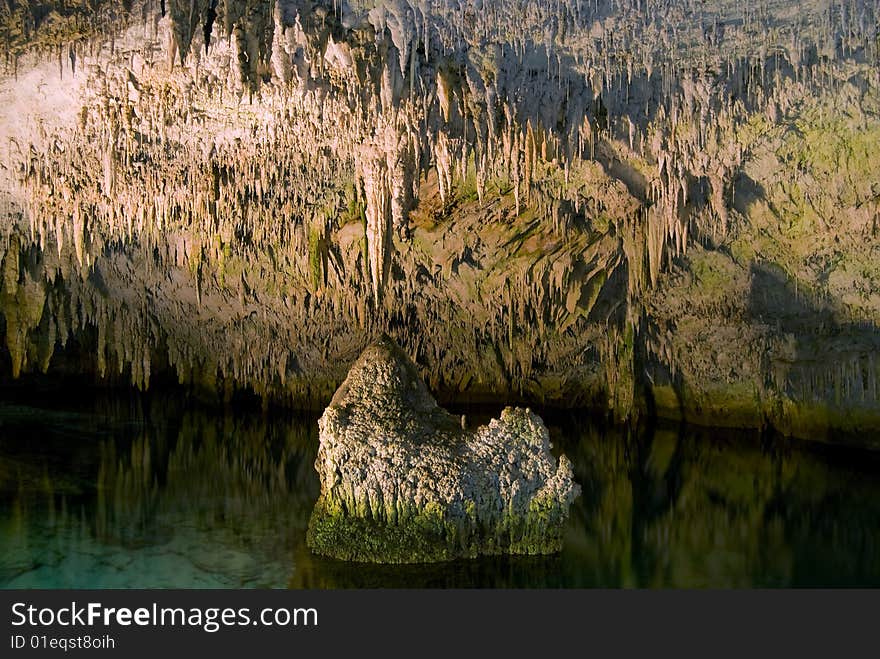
(666, 207)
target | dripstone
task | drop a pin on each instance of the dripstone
(402, 481)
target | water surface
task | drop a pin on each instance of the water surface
(121, 492)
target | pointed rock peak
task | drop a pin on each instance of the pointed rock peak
(403, 482)
(385, 382)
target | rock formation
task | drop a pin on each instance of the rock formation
(669, 207)
(403, 481)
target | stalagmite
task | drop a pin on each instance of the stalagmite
(402, 482)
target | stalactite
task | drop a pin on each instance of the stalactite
(373, 103)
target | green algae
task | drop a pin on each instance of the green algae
(426, 535)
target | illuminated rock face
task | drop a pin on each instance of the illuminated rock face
(403, 481)
(560, 203)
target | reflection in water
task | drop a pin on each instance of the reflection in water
(154, 493)
(147, 494)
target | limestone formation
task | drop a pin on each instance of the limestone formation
(520, 192)
(404, 481)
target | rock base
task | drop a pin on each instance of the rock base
(402, 481)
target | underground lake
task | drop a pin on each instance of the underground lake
(132, 491)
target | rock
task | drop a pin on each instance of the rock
(403, 482)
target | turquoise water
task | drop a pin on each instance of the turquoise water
(117, 492)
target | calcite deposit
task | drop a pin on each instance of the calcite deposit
(404, 481)
(638, 206)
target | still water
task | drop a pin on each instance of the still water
(121, 492)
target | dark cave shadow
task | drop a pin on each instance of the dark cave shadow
(818, 354)
(746, 191)
(818, 365)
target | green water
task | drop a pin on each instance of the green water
(114, 492)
